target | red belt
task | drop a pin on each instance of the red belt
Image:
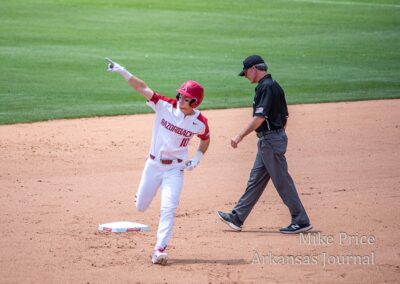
(165, 162)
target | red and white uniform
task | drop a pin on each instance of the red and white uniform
(172, 131)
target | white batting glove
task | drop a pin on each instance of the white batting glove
(115, 67)
(191, 164)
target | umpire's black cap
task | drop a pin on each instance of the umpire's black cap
(250, 62)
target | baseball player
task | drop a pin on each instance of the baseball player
(176, 122)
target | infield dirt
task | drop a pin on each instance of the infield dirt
(61, 179)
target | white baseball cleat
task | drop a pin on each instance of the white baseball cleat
(159, 257)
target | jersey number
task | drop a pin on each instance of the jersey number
(184, 142)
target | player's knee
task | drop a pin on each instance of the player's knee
(168, 210)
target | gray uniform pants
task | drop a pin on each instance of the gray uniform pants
(270, 163)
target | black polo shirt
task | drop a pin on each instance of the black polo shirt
(270, 102)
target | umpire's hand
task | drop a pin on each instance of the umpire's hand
(236, 140)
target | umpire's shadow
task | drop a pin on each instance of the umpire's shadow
(272, 232)
(173, 261)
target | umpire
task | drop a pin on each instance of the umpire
(270, 114)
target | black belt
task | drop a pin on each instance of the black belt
(165, 162)
(266, 132)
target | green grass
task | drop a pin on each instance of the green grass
(52, 52)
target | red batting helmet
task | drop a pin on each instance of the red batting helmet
(193, 90)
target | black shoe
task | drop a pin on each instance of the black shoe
(295, 228)
(228, 219)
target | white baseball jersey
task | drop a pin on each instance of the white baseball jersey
(172, 130)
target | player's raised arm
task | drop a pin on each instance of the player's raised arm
(137, 84)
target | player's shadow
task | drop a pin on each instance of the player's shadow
(268, 231)
(205, 261)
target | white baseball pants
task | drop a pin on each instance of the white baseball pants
(169, 178)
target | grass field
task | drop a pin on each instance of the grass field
(52, 52)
